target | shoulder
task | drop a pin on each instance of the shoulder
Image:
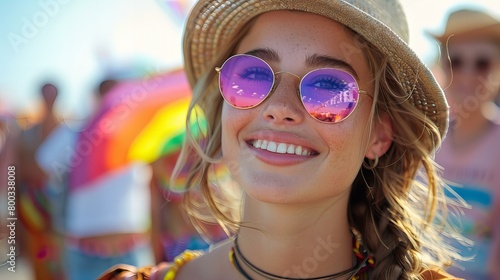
(167, 271)
(188, 265)
(210, 265)
(437, 273)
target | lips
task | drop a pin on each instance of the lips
(282, 148)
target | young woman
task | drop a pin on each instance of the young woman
(327, 122)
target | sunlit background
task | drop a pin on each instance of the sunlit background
(75, 44)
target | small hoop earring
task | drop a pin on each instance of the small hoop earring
(372, 164)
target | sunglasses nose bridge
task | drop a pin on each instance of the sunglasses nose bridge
(280, 105)
(278, 80)
(286, 72)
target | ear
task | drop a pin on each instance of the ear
(381, 136)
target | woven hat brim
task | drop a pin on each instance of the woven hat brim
(212, 23)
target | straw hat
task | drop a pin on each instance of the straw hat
(474, 23)
(382, 22)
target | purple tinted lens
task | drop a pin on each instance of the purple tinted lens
(329, 95)
(245, 81)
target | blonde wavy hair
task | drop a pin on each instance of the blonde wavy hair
(399, 206)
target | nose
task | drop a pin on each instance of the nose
(284, 106)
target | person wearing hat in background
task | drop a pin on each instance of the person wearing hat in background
(470, 70)
(324, 118)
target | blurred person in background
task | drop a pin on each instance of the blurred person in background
(103, 225)
(55, 157)
(38, 238)
(470, 75)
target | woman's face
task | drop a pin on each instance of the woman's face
(298, 42)
(473, 74)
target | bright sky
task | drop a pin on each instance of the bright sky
(74, 43)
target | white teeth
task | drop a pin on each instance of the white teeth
(257, 144)
(298, 150)
(271, 146)
(281, 148)
(264, 145)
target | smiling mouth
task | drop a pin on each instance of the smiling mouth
(282, 148)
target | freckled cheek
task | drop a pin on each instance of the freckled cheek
(231, 117)
(228, 122)
(232, 121)
(346, 149)
(350, 137)
(339, 142)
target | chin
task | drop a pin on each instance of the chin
(282, 192)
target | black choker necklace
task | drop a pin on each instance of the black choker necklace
(362, 260)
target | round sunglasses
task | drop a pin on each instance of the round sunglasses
(329, 95)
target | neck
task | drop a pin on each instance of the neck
(297, 241)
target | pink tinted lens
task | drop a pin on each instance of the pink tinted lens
(329, 95)
(245, 81)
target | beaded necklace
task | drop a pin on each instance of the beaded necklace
(179, 262)
(364, 261)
